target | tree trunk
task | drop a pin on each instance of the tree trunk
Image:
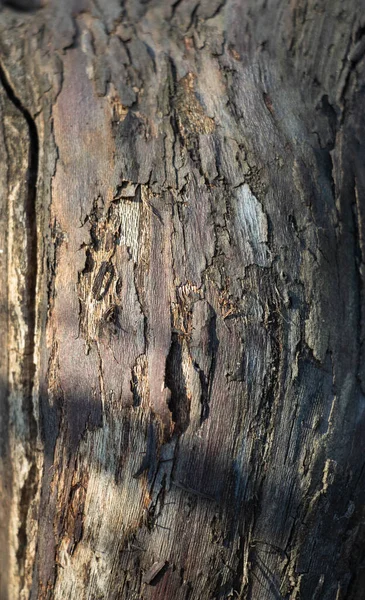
(182, 300)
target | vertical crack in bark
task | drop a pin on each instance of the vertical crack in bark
(173, 118)
(179, 403)
(207, 378)
(30, 311)
(25, 501)
(330, 114)
(31, 219)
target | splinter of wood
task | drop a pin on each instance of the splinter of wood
(152, 573)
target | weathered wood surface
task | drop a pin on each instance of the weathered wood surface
(182, 300)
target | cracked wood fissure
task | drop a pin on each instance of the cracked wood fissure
(182, 373)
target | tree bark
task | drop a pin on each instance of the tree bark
(182, 300)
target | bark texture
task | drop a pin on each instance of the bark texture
(182, 300)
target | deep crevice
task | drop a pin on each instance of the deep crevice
(179, 403)
(25, 499)
(206, 379)
(29, 307)
(31, 219)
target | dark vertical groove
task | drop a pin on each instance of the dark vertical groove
(29, 308)
(179, 403)
(31, 220)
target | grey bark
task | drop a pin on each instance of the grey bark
(182, 300)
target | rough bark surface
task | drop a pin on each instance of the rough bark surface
(182, 300)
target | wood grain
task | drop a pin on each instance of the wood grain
(182, 300)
